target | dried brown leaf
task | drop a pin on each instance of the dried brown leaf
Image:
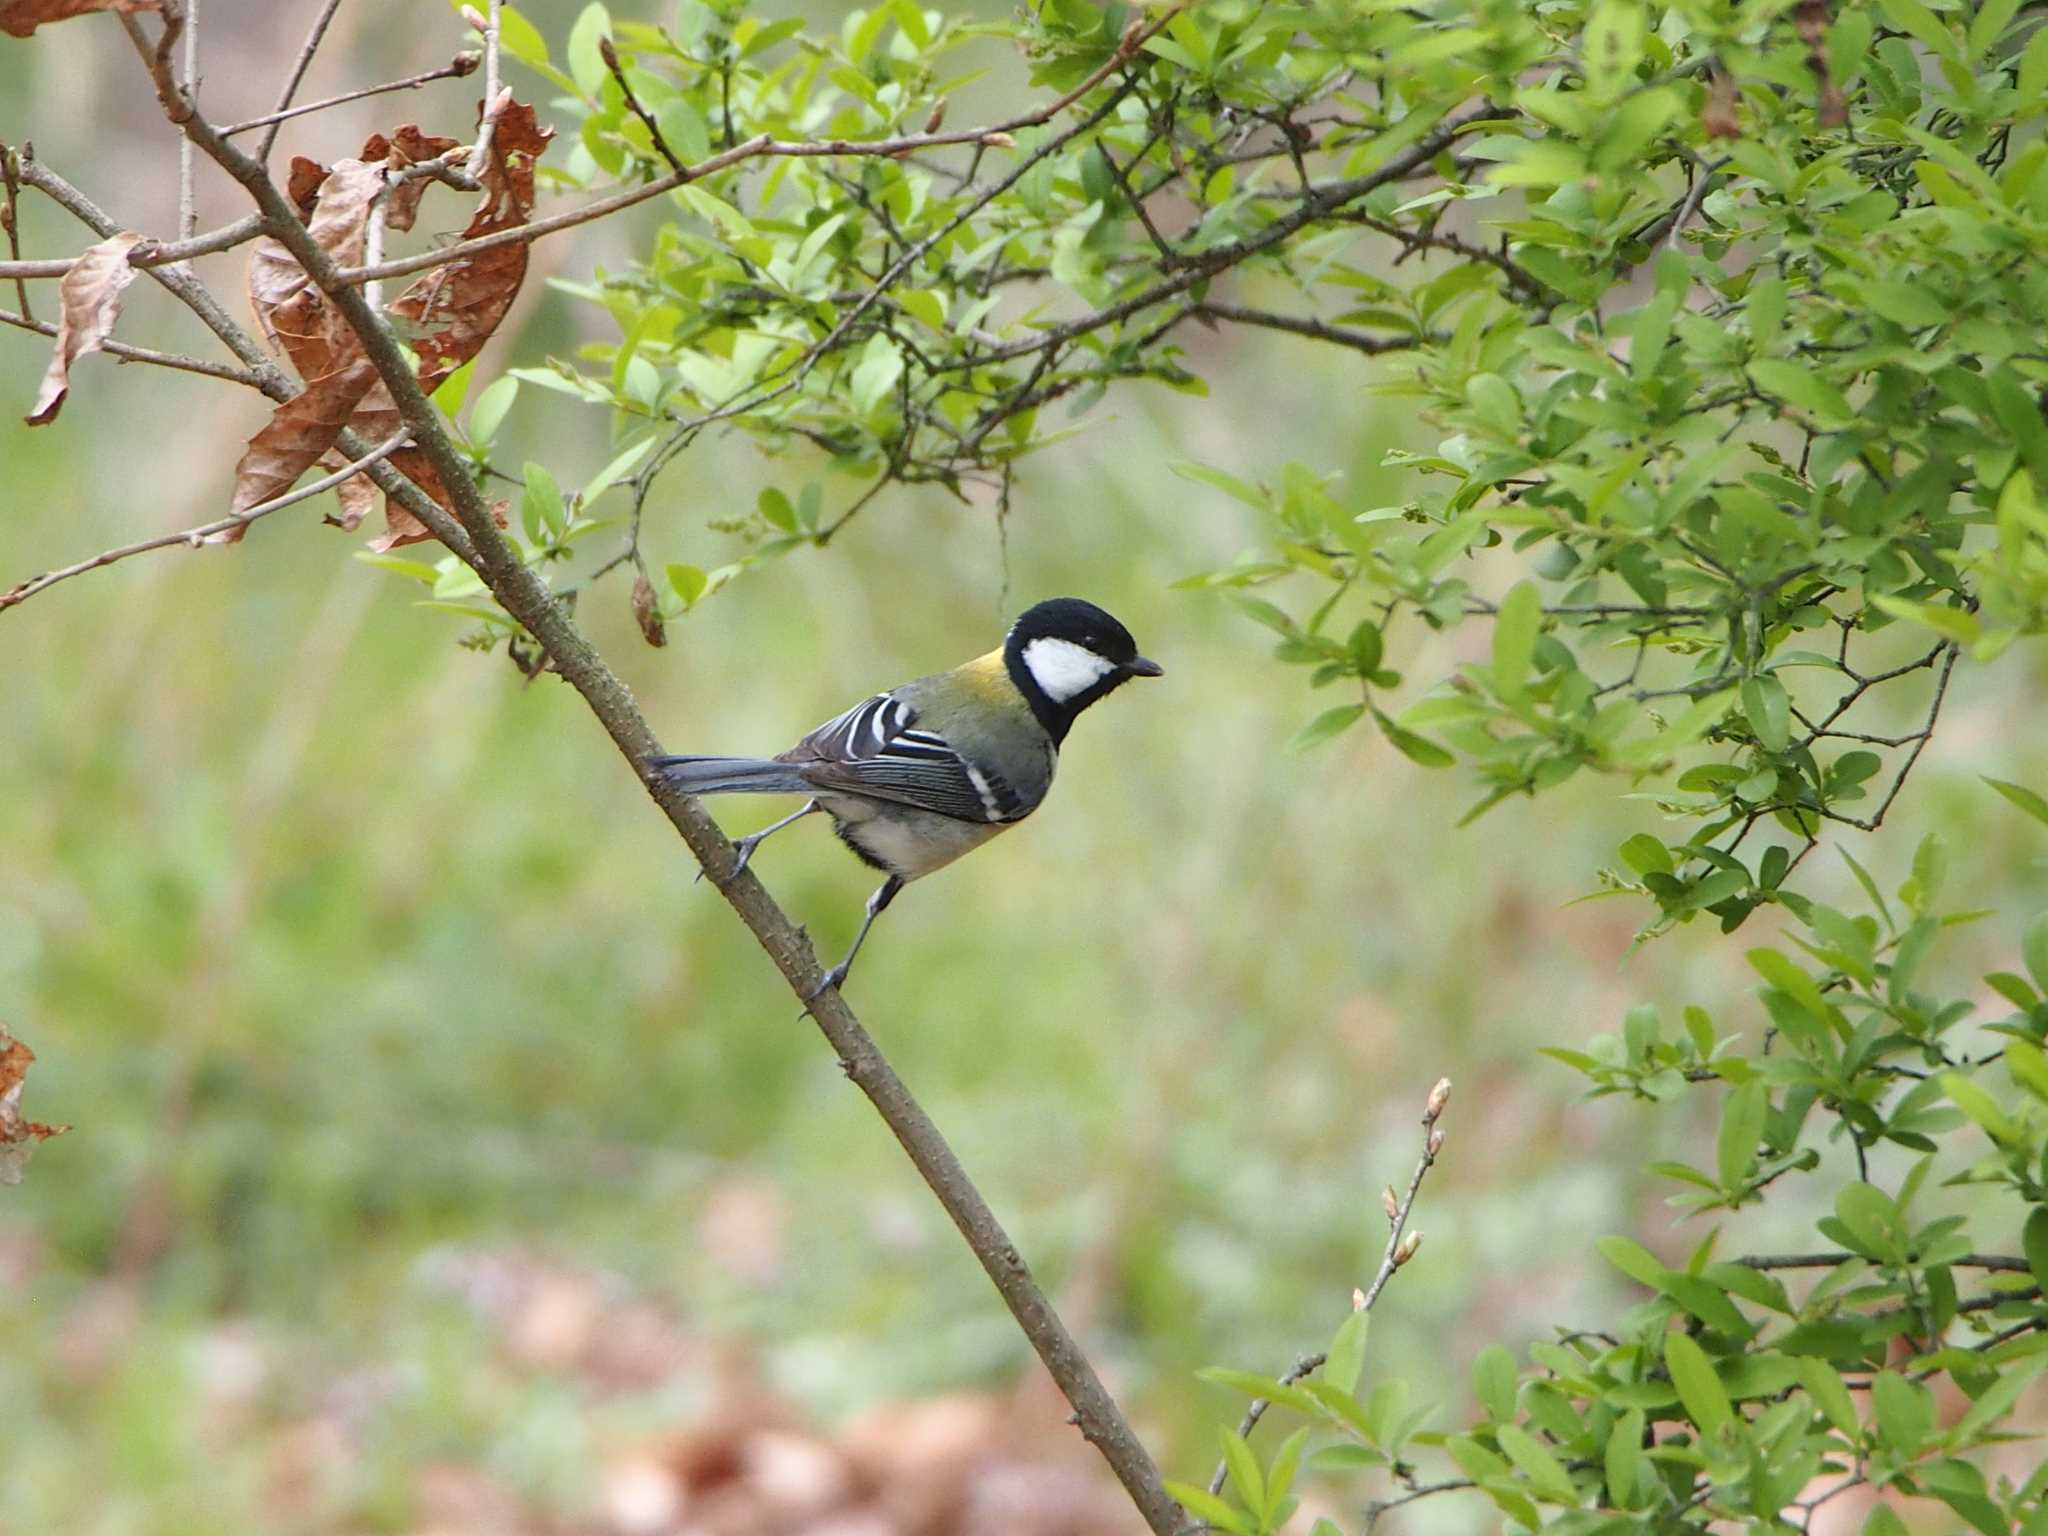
(455, 309)
(406, 147)
(647, 612)
(297, 435)
(89, 297)
(18, 1137)
(18, 18)
(294, 314)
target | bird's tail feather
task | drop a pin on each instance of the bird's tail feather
(731, 775)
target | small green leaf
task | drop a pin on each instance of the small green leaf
(1824, 1385)
(2022, 797)
(1417, 749)
(1623, 1462)
(1769, 711)
(1204, 1505)
(620, 466)
(1698, 1387)
(1245, 1476)
(2034, 950)
(540, 506)
(1536, 1463)
(687, 582)
(1347, 1352)
(492, 402)
(1331, 722)
(2034, 1240)
(1493, 1381)
(586, 65)
(1514, 638)
(1905, 1412)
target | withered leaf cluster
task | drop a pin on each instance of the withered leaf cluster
(19, 1137)
(450, 311)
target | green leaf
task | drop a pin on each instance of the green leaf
(621, 465)
(1905, 1412)
(1824, 1385)
(541, 510)
(1514, 637)
(1623, 1463)
(1245, 1476)
(492, 402)
(880, 366)
(1799, 386)
(1699, 1388)
(2034, 950)
(1204, 1505)
(1330, 723)
(1347, 1352)
(1742, 1128)
(586, 66)
(1535, 1462)
(687, 582)
(1416, 749)
(1493, 1382)
(1768, 710)
(2034, 1242)
(1230, 485)
(2022, 797)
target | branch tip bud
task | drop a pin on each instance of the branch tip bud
(1406, 1251)
(998, 141)
(1439, 1096)
(1391, 1203)
(1357, 1299)
(475, 18)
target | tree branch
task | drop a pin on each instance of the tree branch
(528, 600)
(464, 63)
(205, 533)
(300, 65)
(128, 354)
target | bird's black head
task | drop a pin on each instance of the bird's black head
(1065, 654)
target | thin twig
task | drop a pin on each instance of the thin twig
(122, 352)
(1308, 325)
(610, 55)
(10, 218)
(188, 207)
(526, 598)
(300, 65)
(1400, 1249)
(150, 253)
(205, 533)
(1989, 1261)
(480, 156)
(463, 63)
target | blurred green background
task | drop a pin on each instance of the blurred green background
(389, 1017)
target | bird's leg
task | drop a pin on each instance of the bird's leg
(884, 894)
(745, 846)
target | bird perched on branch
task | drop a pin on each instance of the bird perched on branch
(917, 776)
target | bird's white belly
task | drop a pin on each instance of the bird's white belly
(905, 841)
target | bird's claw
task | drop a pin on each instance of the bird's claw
(743, 853)
(832, 979)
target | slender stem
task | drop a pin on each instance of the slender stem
(480, 155)
(526, 597)
(610, 55)
(128, 354)
(188, 207)
(1399, 1250)
(150, 253)
(1990, 1261)
(10, 218)
(205, 533)
(462, 64)
(298, 73)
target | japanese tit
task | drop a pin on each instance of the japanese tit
(917, 776)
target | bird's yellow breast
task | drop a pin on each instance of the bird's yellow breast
(988, 675)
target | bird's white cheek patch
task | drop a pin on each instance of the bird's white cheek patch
(1064, 669)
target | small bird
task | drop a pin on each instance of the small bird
(917, 776)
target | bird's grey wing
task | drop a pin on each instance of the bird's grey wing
(875, 749)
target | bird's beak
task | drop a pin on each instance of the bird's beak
(1140, 667)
